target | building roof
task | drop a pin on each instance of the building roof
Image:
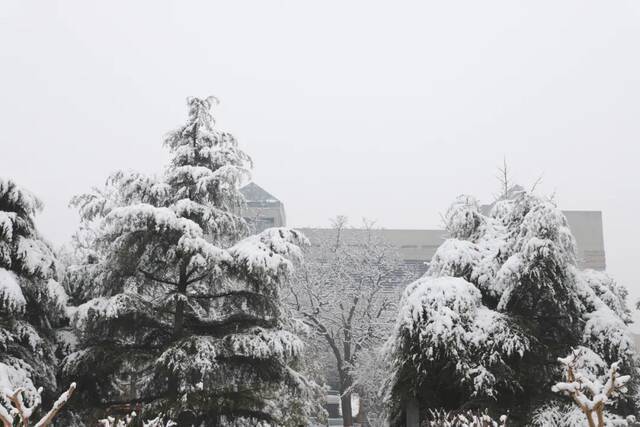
(254, 194)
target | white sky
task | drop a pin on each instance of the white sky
(380, 109)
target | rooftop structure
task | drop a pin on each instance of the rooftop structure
(263, 209)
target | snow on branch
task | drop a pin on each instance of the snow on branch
(24, 412)
(116, 306)
(442, 418)
(456, 258)
(19, 198)
(147, 217)
(591, 395)
(444, 317)
(270, 253)
(129, 419)
(37, 257)
(11, 296)
(463, 217)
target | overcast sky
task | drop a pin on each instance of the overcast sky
(386, 110)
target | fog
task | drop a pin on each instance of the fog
(384, 110)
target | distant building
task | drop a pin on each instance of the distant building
(415, 246)
(586, 227)
(263, 210)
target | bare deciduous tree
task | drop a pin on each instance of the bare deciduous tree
(345, 294)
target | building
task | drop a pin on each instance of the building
(263, 210)
(416, 247)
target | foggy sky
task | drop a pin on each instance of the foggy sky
(384, 110)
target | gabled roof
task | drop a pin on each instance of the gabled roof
(253, 193)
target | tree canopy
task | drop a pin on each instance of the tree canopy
(503, 299)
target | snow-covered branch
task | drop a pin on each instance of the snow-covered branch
(128, 420)
(590, 394)
(25, 412)
(442, 418)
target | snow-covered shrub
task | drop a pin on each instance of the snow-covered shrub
(501, 301)
(442, 320)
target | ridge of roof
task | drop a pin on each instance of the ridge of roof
(252, 192)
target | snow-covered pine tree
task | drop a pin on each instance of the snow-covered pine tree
(32, 302)
(183, 316)
(502, 299)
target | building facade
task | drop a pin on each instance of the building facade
(263, 210)
(416, 247)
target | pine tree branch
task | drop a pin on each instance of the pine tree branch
(150, 276)
(228, 294)
(199, 278)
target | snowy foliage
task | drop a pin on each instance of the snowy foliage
(32, 302)
(11, 297)
(269, 255)
(501, 300)
(177, 307)
(443, 319)
(129, 420)
(442, 418)
(463, 218)
(456, 258)
(569, 415)
(590, 391)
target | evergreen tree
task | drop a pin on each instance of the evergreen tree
(501, 301)
(32, 302)
(182, 315)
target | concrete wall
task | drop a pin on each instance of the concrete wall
(586, 227)
(417, 247)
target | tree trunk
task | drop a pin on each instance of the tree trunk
(412, 413)
(361, 418)
(178, 324)
(179, 319)
(178, 327)
(347, 418)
